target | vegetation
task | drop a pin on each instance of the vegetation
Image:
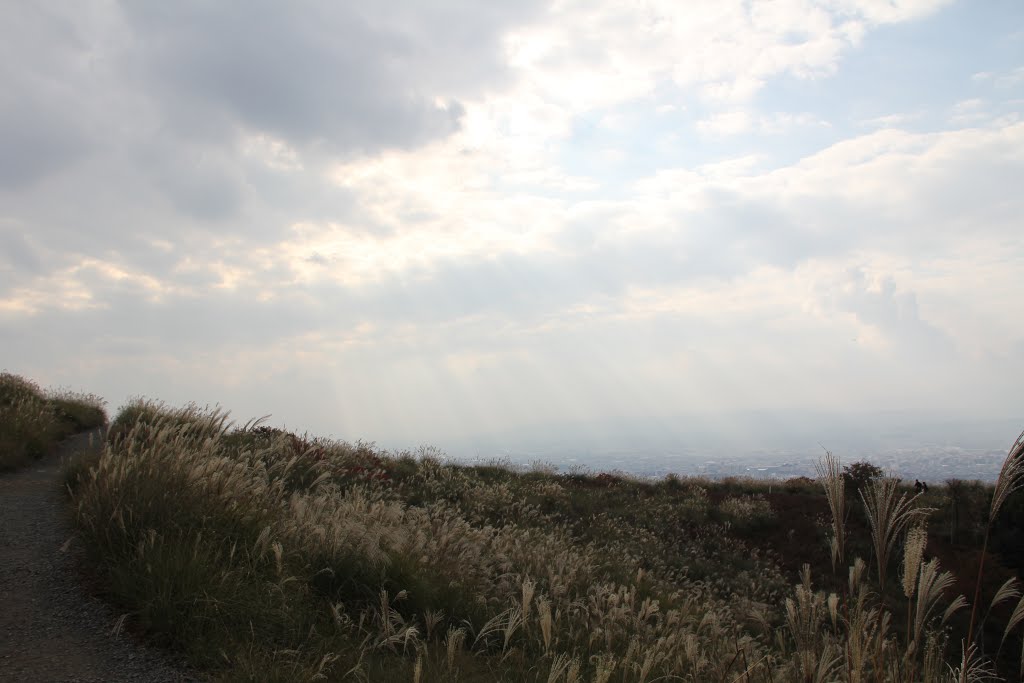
(269, 556)
(34, 421)
(266, 556)
(858, 475)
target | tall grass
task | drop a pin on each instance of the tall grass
(268, 556)
(33, 420)
(1011, 478)
(869, 650)
(254, 550)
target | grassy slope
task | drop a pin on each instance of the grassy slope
(266, 556)
(34, 421)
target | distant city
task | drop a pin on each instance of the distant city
(930, 464)
(929, 450)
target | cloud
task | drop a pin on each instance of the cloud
(889, 121)
(41, 130)
(590, 55)
(889, 11)
(231, 114)
(347, 78)
(402, 219)
(726, 123)
(966, 112)
(893, 315)
(19, 254)
(210, 109)
(738, 122)
(35, 142)
(881, 191)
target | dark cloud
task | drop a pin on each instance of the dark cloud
(35, 142)
(41, 128)
(205, 184)
(126, 111)
(345, 77)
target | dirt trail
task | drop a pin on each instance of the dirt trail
(51, 628)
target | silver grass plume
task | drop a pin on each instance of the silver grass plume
(1011, 478)
(1015, 618)
(972, 668)
(931, 585)
(830, 474)
(888, 515)
(913, 553)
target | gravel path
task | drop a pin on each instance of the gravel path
(51, 628)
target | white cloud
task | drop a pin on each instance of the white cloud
(1012, 79)
(589, 55)
(890, 120)
(726, 123)
(730, 169)
(783, 122)
(968, 112)
(738, 122)
(889, 11)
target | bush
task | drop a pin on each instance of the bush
(801, 485)
(860, 474)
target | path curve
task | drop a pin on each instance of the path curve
(51, 628)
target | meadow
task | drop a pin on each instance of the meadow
(269, 556)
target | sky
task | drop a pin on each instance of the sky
(424, 222)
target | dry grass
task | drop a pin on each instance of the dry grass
(231, 542)
(889, 513)
(33, 421)
(268, 556)
(830, 474)
(1011, 478)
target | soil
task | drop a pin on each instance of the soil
(52, 627)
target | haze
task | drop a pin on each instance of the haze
(528, 222)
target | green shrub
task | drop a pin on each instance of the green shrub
(859, 474)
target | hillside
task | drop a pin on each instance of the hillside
(264, 555)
